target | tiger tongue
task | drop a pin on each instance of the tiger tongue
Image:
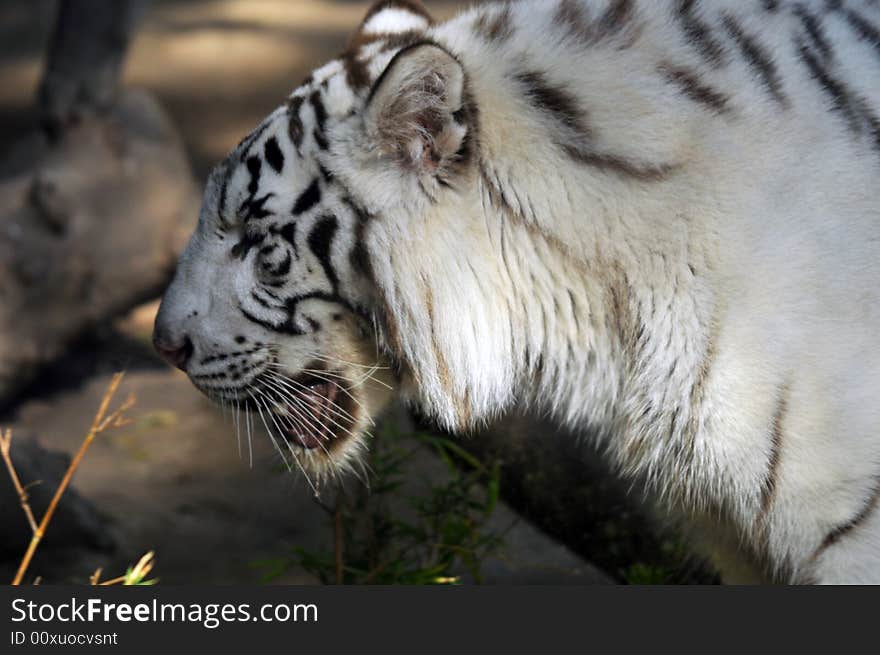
(315, 399)
(309, 441)
(318, 400)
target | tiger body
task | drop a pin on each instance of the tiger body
(658, 220)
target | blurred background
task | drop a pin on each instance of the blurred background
(112, 113)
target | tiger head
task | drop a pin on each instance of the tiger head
(282, 301)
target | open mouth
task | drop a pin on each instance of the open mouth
(316, 412)
(320, 407)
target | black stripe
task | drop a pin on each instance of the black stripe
(864, 29)
(263, 303)
(283, 268)
(769, 485)
(868, 507)
(320, 112)
(399, 40)
(813, 27)
(758, 59)
(570, 16)
(835, 89)
(853, 107)
(320, 141)
(287, 326)
(246, 143)
(272, 295)
(248, 241)
(294, 122)
(497, 27)
(255, 207)
(554, 101)
(616, 16)
(356, 72)
(254, 165)
(691, 86)
(644, 172)
(320, 239)
(288, 233)
(359, 257)
(279, 269)
(699, 34)
(308, 199)
(274, 155)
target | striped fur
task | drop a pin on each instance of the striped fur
(658, 220)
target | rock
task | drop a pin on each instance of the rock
(91, 228)
(76, 522)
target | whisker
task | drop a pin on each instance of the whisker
(363, 476)
(336, 360)
(297, 388)
(345, 389)
(337, 411)
(296, 459)
(303, 423)
(297, 424)
(280, 374)
(247, 422)
(289, 395)
(376, 335)
(271, 436)
(354, 383)
(296, 403)
(238, 427)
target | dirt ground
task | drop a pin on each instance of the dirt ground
(176, 480)
(173, 480)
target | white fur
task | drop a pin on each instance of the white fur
(394, 20)
(777, 211)
(751, 270)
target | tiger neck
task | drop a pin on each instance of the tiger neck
(597, 297)
(612, 336)
(611, 271)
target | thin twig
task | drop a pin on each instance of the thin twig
(5, 444)
(100, 423)
(113, 581)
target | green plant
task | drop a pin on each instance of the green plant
(388, 534)
(134, 575)
(648, 574)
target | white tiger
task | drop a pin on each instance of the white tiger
(659, 219)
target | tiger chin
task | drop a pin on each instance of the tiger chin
(656, 221)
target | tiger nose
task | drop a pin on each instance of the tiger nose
(177, 353)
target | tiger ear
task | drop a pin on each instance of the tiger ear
(414, 111)
(393, 17)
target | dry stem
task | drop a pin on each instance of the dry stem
(101, 422)
(5, 444)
